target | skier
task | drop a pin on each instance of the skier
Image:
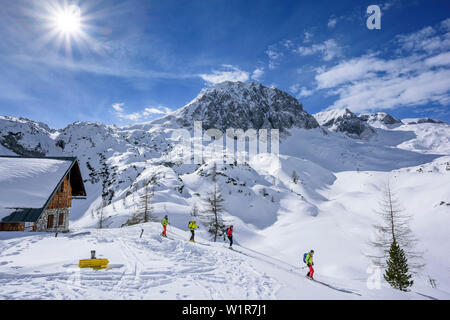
(164, 223)
(192, 226)
(309, 262)
(229, 232)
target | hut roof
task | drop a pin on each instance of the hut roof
(28, 184)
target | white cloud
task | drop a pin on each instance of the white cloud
(140, 115)
(446, 24)
(136, 116)
(157, 110)
(288, 44)
(328, 49)
(274, 55)
(118, 106)
(304, 92)
(227, 73)
(332, 23)
(301, 91)
(148, 111)
(371, 82)
(258, 73)
(364, 67)
(307, 36)
(387, 5)
(442, 59)
(390, 92)
(426, 40)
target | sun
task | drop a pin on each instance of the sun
(68, 25)
(68, 20)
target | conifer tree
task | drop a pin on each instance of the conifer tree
(212, 214)
(294, 177)
(145, 208)
(102, 217)
(397, 272)
(395, 226)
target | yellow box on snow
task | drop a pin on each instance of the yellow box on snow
(93, 263)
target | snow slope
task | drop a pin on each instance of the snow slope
(341, 223)
(429, 138)
(40, 266)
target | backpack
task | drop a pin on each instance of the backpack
(304, 257)
(190, 224)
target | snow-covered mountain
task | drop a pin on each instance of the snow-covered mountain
(341, 160)
(345, 121)
(244, 105)
(374, 119)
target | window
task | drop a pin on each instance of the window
(50, 221)
(61, 219)
(61, 189)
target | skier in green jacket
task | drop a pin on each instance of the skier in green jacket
(192, 226)
(164, 223)
(309, 262)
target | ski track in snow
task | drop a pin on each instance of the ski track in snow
(41, 266)
(152, 268)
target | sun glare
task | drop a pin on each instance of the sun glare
(67, 25)
(68, 21)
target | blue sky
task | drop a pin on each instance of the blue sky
(134, 60)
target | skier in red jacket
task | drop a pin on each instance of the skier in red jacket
(230, 235)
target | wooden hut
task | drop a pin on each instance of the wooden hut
(36, 192)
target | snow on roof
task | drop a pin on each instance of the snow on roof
(28, 182)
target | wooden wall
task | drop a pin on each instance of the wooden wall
(12, 226)
(62, 198)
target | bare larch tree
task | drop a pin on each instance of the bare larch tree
(395, 225)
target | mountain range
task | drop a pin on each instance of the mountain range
(342, 161)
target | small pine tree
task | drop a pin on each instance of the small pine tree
(294, 177)
(397, 272)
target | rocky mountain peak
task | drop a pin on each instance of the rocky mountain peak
(346, 122)
(244, 105)
(381, 117)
